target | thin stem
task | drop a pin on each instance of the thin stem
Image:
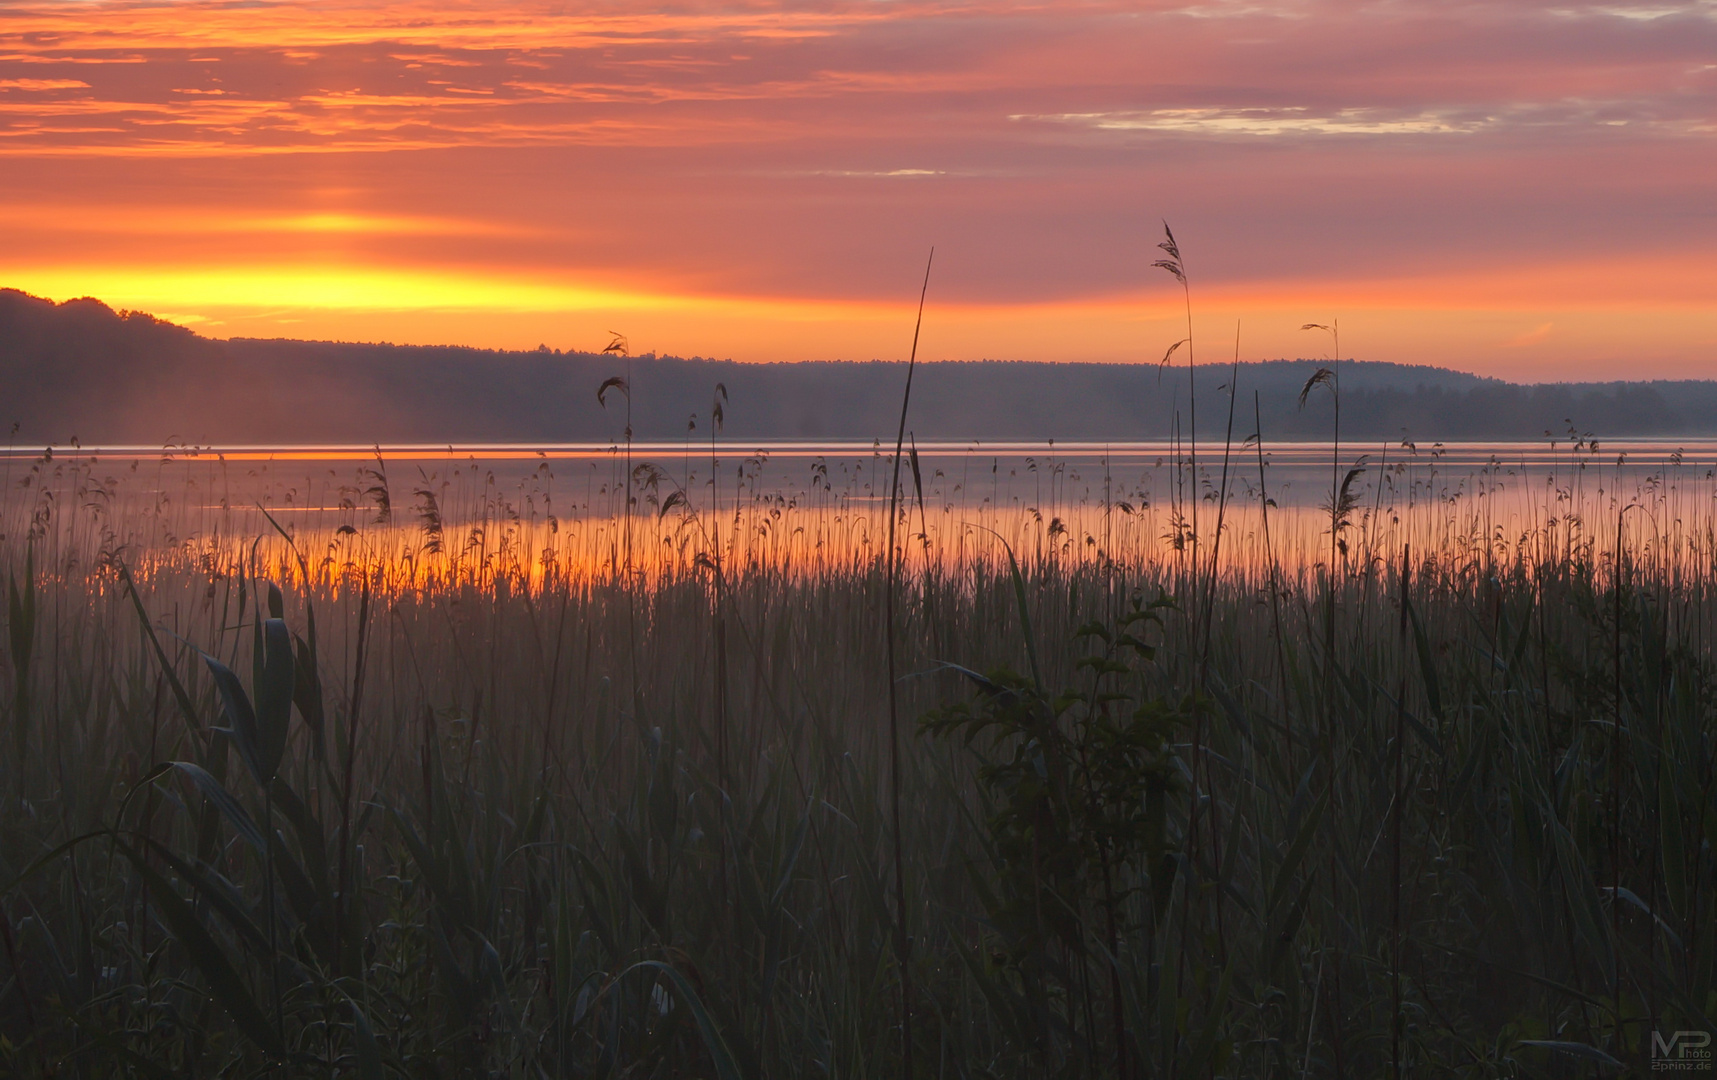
(902, 932)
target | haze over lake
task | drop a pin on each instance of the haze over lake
(794, 503)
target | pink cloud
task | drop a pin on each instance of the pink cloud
(815, 151)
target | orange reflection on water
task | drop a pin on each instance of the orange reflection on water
(421, 517)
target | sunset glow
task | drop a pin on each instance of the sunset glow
(1519, 189)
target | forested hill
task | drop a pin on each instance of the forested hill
(81, 369)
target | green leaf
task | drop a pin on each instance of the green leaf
(645, 892)
(273, 698)
(50, 856)
(240, 717)
(301, 894)
(1282, 927)
(1576, 1049)
(1427, 663)
(110, 1043)
(223, 801)
(311, 841)
(222, 897)
(725, 1066)
(1296, 853)
(180, 695)
(1024, 616)
(21, 633)
(225, 986)
(364, 1045)
(307, 692)
(458, 984)
(1673, 846)
(1205, 1045)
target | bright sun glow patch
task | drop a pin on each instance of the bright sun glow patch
(329, 289)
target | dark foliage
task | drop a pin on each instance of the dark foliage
(81, 369)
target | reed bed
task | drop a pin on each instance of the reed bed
(527, 781)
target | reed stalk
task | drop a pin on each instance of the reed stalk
(903, 926)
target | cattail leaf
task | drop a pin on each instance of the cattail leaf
(110, 1042)
(180, 695)
(985, 685)
(219, 894)
(725, 1066)
(648, 896)
(258, 655)
(793, 848)
(1296, 852)
(1204, 1046)
(1575, 1049)
(21, 615)
(1582, 893)
(52, 856)
(364, 1045)
(613, 382)
(1280, 931)
(222, 800)
(1618, 892)
(491, 970)
(237, 711)
(528, 832)
(1673, 846)
(226, 988)
(307, 692)
(301, 894)
(311, 706)
(273, 698)
(21, 634)
(427, 864)
(1004, 1000)
(311, 841)
(593, 889)
(1024, 616)
(459, 985)
(1427, 663)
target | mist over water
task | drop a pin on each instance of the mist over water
(478, 511)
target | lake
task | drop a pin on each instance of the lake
(799, 505)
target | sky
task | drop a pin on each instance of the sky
(1520, 189)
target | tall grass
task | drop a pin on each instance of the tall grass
(507, 786)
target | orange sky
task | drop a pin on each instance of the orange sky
(1521, 189)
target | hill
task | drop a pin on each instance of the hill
(81, 369)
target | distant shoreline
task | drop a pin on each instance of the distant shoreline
(79, 369)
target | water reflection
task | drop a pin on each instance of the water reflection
(434, 514)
